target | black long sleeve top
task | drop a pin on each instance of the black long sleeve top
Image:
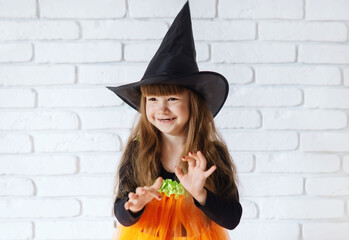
(225, 212)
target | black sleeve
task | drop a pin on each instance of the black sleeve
(225, 212)
(125, 217)
(126, 185)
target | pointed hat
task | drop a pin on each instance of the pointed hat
(174, 63)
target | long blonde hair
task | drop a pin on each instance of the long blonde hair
(140, 163)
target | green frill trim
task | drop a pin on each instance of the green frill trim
(170, 187)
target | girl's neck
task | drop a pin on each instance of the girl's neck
(171, 151)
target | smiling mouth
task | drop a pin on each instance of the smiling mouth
(165, 119)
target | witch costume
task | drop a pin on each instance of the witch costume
(176, 215)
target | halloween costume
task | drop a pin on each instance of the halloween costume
(177, 215)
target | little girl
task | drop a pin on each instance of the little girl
(176, 179)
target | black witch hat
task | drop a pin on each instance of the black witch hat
(174, 63)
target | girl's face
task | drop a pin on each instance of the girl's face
(169, 113)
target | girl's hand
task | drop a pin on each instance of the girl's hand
(195, 179)
(143, 195)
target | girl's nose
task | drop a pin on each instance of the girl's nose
(163, 106)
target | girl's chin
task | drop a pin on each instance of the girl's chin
(172, 132)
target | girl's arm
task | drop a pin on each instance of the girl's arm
(125, 217)
(225, 212)
(128, 211)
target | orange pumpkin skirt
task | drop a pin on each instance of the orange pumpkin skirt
(172, 219)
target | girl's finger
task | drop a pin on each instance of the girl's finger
(191, 161)
(127, 206)
(210, 171)
(130, 195)
(179, 173)
(140, 191)
(197, 159)
(203, 161)
(152, 192)
(134, 197)
(158, 183)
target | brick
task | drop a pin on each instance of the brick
(10, 9)
(138, 30)
(113, 118)
(143, 52)
(36, 75)
(303, 31)
(326, 230)
(74, 185)
(304, 119)
(82, 9)
(15, 143)
(228, 118)
(301, 208)
(264, 185)
(330, 54)
(266, 230)
(250, 209)
(140, 52)
(38, 30)
(253, 53)
(77, 97)
(265, 9)
(263, 97)
(101, 163)
(37, 120)
(37, 165)
(15, 52)
(346, 76)
(124, 135)
(75, 142)
(77, 52)
(346, 164)
(258, 141)
(326, 98)
(297, 163)
(39, 208)
(13, 186)
(244, 162)
(9, 98)
(170, 9)
(83, 229)
(9, 230)
(325, 141)
(97, 207)
(111, 75)
(234, 74)
(218, 30)
(202, 52)
(327, 186)
(298, 75)
(334, 10)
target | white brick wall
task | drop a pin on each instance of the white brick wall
(285, 120)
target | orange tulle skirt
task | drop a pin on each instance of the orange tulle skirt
(171, 218)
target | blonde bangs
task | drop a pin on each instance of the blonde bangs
(161, 89)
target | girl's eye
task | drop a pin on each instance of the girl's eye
(172, 99)
(152, 99)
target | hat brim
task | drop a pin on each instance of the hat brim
(212, 86)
